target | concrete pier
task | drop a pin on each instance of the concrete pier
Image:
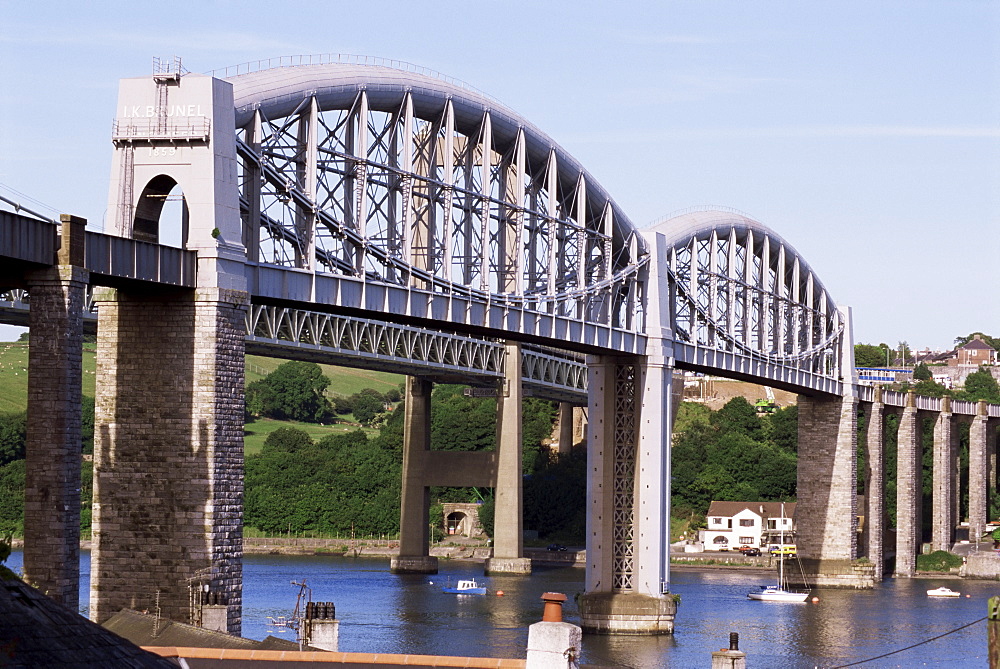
(414, 538)
(508, 525)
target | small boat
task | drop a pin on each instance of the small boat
(465, 587)
(777, 593)
(943, 592)
(774, 593)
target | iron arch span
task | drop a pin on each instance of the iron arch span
(380, 176)
(742, 302)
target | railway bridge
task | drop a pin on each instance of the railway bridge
(370, 213)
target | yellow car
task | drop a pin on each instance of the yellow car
(785, 550)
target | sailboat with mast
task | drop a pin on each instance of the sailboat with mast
(779, 592)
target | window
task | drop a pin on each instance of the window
(772, 524)
(749, 541)
(746, 522)
(717, 521)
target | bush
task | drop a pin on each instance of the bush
(938, 561)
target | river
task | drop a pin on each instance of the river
(383, 612)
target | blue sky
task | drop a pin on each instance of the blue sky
(867, 134)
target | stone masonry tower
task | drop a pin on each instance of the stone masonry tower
(168, 443)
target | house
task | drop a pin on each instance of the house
(760, 524)
(976, 352)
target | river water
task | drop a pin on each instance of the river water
(383, 612)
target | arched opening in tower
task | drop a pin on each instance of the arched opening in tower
(161, 214)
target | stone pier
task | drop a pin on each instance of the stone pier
(978, 473)
(944, 493)
(827, 495)
(875, 516)
(52, 453)
(909, 489)
(168, 452)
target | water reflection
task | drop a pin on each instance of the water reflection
(382, 612)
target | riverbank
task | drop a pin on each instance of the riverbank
(461, 549)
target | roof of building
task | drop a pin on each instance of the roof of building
(976, 343)
(145, 629)
(763, 509)
(38, 632)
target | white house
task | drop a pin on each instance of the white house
(759, 524)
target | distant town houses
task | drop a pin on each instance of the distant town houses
(731, 525)
(948, 368)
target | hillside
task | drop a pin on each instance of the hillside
(344, 381)
(714, 392)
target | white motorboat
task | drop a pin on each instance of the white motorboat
(465, 587)
(943, 592)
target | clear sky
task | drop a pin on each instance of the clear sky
(867, 134)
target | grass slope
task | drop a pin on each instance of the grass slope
(344, 382)
(257, 432)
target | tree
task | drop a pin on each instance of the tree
(738, 415)
(13, 434)
(980, 385)
(367, 406)
(487, 514)
(293, 391)
(12, 497)
(992, 341)
(922, 372)
(783, 428)
(868, 355)
(929, 388)
(460, 423)
(87, 424)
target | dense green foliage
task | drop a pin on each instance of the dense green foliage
(869, 355)
(342, 483)
(922, 372)
(12, 497)
(349, 482)
(555, 498)
(732, 454)
(938, 561)
(980, 385)
(13, 433)
(294, 391)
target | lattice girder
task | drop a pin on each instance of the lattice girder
(401, 179)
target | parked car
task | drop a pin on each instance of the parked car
(750, 550)
(785, 550)
(556, 547)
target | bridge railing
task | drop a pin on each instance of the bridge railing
(928, 403)
(130, 259)
(966, 408)
(27, 239)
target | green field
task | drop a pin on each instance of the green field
(255, 433)
(343, 382)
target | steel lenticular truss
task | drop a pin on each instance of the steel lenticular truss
(383, 176)
(743, 301)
